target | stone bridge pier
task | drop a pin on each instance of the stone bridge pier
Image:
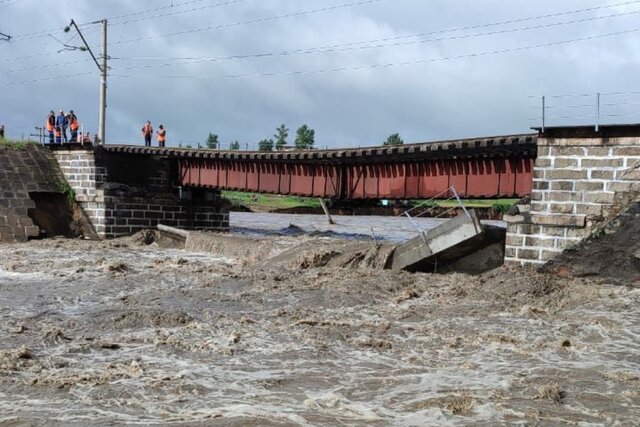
(122, 194)
(582, 178)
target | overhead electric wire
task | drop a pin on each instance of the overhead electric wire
(45, 33)
(210, 6)
(507, 22)
(46, 79)
(171, 6)
(20, 58)
(198, 60)
(39, 67)
(395, 64)
(250, 22)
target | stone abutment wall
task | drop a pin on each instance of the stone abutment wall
(578, 182)
(24, 170)
(123, 194)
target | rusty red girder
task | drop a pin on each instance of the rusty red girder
(472, 178)
(476, 168)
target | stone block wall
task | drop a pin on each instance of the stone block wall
(87, 181)
(127, 215)
(23, 170)
(123, 194)
(578, 181)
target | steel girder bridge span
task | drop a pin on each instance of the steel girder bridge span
(477, 168)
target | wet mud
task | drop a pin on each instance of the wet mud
(303, 331)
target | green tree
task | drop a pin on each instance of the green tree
(212, 141)
(305, 138)
(234, 146)
(394, 140)
(282, 133)
(265, 145)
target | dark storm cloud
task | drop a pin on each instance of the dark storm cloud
(469, 96)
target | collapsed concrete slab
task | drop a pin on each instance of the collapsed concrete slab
(462, 240)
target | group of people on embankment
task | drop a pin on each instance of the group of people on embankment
(57, 128)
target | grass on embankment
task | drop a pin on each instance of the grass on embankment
(269, 201)
(14, 143)
(500, 205)
(273, 201)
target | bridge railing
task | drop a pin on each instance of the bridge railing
(593, 109)
(44, 136)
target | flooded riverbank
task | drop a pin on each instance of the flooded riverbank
(121, 332)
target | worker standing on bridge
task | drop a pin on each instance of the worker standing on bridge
(73, 125)
(147, 133)
(162, 136)
(61, 127)
(51, 125)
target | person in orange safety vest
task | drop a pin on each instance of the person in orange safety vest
(51, 125)
(74, 125)
(162, 136)
(58, 135)
(147, 133)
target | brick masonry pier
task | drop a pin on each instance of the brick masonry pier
(122, 194)
(580, 179)
(25, 170)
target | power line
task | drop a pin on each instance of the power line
(40, 67)
(395, 64)
(171, 6)
(253, 21)
(20, 58)
(46, 79)
(209, 6)
(197, 60)
(507, 22)
(45, 33)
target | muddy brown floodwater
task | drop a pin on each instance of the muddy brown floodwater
(303, 331)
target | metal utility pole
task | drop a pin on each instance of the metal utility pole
(598, 112)
(544, 112)
(103, 86)
(103, 73)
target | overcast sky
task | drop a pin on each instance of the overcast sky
(355, 73)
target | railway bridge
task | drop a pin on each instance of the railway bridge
(477, 168)
(125, 188)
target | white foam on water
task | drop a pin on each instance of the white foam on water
(280, 372)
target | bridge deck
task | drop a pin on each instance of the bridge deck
(487, 167)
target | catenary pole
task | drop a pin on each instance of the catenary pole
(103, 67)
(103, 86)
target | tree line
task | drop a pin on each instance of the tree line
(304, 140)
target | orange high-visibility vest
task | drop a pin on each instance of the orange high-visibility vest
(162, 135)
(74, 123)
(51, 123)
(58, 132)
(147, 129)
